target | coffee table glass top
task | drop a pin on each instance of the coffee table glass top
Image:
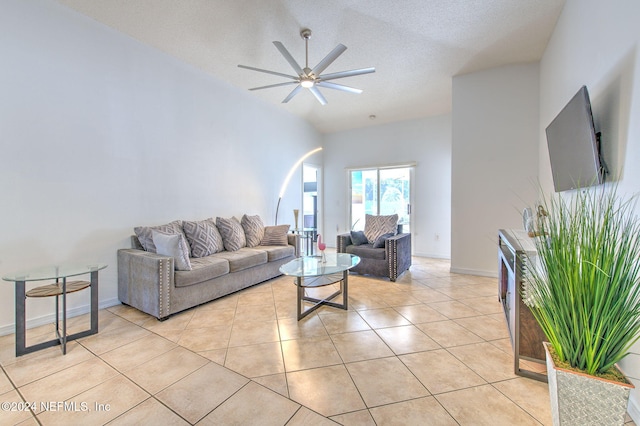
(312, 266)
(54, 271)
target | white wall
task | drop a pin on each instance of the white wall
(596, 43)
(99, 133)
(424, 141)
(494, 167)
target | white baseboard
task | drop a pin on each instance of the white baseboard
(474, 272)
(51, 318)
(431, 255)
(633, 410)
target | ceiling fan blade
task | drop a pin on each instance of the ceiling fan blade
(289, 58)
(274, 85)
(292, 94)
(332, 56)
(343, 74)
(318, 95)
(268, 72)
(330, 85)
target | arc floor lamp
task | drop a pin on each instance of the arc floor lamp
(291, 172)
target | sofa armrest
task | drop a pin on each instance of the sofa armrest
(145, 281)
(398, 251)
(344, 240)
(294, 240)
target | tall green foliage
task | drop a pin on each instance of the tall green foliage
(585, 290)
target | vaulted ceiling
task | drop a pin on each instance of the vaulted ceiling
(416, 46)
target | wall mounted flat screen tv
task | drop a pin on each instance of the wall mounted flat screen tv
(574, 146)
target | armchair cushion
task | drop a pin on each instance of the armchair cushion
(375, 226)
(366, 251)
(379, 243)
(358, 238)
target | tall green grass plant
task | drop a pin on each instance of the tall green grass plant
(584, 291)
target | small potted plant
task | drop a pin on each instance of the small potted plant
(583, 288)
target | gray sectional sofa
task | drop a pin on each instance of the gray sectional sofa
(150, 282)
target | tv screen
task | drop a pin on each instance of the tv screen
(573, 146)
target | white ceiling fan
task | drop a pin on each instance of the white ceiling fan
(311, 78)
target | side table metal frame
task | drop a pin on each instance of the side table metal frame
(61, 337)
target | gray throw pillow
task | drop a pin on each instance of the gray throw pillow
(358, 238)
(275, 236)
(253, 229)
(203, 236)
(374, 226)
(232, 233)
(379, 243)
(146, 239)
(173, 245)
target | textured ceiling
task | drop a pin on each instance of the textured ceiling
(416, 46)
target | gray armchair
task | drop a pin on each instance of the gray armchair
(390, 261)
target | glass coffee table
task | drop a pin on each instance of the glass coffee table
(313, 272)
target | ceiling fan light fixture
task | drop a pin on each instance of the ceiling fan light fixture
(307, 83)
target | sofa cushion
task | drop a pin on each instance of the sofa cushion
(367, 251)
(232, 233)
(146, 239)
(243, 258)
(358, 238)
(278, 252)
(203, 236)
(253, 229)
(202, 269)
(275, 236)
(374, 226)
(174, 245)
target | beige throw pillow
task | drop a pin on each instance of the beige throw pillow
(173, 245)
(144, 233)
(253, 229)
(275, 235)
(232, 233)
(203, 236)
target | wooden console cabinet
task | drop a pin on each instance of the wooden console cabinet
(514, 247)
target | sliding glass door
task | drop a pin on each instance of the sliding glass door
(381, 191)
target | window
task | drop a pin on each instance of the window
(381, 191)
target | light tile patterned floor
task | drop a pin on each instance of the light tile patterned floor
(431, 348)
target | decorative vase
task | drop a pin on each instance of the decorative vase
(581, 399)
(321, 247)
(295, 217)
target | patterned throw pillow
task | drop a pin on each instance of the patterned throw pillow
(275, 236)
(374, 226)
(203, 236)
(173, 245)
(232, 233)
(146, 238)
(253, 229)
